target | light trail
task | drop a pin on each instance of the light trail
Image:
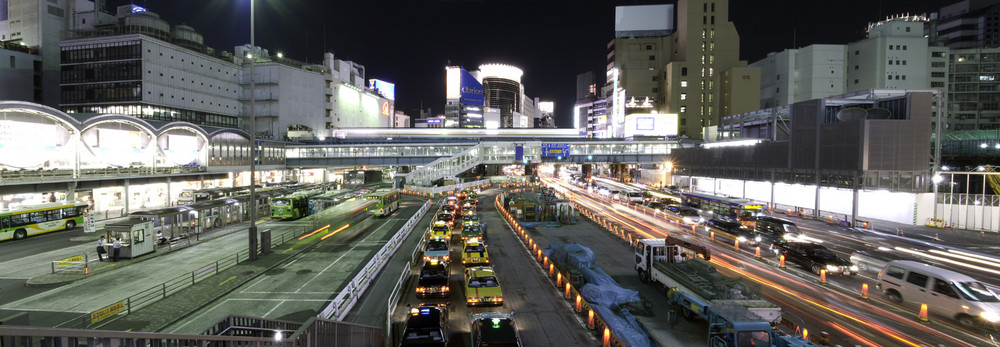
(947, 260)
(334, 232)
(314, 232)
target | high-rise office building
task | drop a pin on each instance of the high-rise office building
(679, 68)
(966, 24)
(38, 25)
(464, 99)
(503, 90)
(793, 75)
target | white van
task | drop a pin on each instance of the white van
(945, 292)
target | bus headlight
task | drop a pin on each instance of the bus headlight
(758, 239)
(990, 316)
(831, 268)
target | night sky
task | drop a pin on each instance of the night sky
(410, 42)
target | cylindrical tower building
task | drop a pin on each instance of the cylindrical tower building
(503, 90)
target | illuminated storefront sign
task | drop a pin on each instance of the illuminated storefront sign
(471, 91)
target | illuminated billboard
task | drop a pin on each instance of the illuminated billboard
(383, 88)
(453, 82)
(472, 92)
(645, 124)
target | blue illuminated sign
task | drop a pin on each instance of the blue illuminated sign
(555, 150)
(137, 9)
(472, 92)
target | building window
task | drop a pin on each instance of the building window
(777, 89)
(656, 90)
(778, 77)
(890, 61)
(890, 47)
(649, 47)
(855, 81)
(713, 7)
(856, 67)
(907, 29)
(684, 96)
(684, 84)
(904, 77)
(704, 7)
(857, 52)
(656, 78)
(684, 109)
(713, 20)
(652, 57)
(904, 62)
(702, 34)
(684, 71)
(704, 20)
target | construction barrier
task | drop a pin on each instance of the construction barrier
(592, 318)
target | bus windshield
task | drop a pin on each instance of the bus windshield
(281, 202)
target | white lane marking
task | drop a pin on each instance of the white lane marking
(273, 308)
(339, 258)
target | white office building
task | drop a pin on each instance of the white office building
(894, 56)
(794, 75)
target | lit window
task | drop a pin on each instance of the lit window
(684, 84)
(684, 109)
(684, 96)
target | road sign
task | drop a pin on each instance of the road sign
(553, 150)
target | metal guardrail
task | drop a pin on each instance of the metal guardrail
(231, 331)
(57, 174)
(342, 304)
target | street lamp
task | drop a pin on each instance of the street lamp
(253, 147)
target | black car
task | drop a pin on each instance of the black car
(494, 329)
(433, 280)
(815, 257)
(427, 325)
(738, 231)
(770, 230)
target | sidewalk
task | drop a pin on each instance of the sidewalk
(94, 266)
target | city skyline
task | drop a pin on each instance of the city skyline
(409, 44)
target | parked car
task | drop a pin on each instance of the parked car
(437, 249)
(685, 214)
(427, 325)
(433, 280)
(947, 293)
(815, 257)
(482, 287)
(494, 329)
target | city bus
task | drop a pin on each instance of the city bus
(387, 201)
(293, 206)
(25, 221)
(734, 210)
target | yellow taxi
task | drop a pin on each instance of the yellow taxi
(482, 287)
(440, 229)
(474, 253)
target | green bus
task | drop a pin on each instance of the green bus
(25, 221)
(387, 201)
(293, 206)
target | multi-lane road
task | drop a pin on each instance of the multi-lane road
(836, 307)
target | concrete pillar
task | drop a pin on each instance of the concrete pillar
(126, 196)
(168, 202)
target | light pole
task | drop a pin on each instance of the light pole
(253, 148)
